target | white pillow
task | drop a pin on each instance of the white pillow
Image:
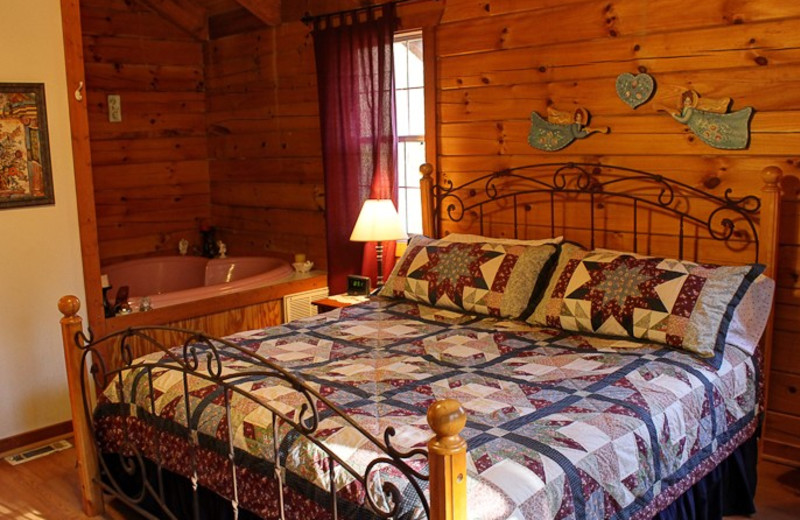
(470, 239)
(750, 317)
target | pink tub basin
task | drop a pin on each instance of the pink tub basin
(171, 280)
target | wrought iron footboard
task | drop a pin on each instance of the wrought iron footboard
(201, 357)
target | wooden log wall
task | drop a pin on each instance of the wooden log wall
(150, 170)
(498, 60)
(267, 192)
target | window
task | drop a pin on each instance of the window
(410, 99)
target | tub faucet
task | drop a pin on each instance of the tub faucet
(222, 249)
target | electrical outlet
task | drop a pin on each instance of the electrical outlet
(114, 108)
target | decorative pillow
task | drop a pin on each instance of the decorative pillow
(466, 237)
(677, 303)
(751, 315)
(480, 277)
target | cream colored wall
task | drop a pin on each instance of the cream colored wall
(40, 256)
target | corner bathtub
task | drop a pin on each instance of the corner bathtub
(170, 280)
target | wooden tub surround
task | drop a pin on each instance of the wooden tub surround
(219, 315)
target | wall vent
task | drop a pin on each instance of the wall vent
(35, 453)
(298, 305)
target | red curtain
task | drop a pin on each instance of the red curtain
(357, 116)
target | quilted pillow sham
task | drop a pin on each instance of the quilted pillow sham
(677, 303)
(751, 315)
(481, 277)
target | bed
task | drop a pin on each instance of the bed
(417, 404)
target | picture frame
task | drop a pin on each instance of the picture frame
(26, 176)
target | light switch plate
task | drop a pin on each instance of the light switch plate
(114, 108)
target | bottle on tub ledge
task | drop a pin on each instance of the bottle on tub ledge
(210, 247)
(108, 309)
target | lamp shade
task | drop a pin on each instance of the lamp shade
(378, 222)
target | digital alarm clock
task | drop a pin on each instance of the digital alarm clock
(357, 285)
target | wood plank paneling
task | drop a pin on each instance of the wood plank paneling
(150, 170)
(267, 189)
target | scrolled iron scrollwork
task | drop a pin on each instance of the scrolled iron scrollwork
(97, 368)
(455, 207)
(748, 204)
(82, 339)
(574, 178)
(560, 181)
(491, 183)
(726, 223)
(308, 406)
(398, 460)
(734, 209)
(126, 354)
(584, 180)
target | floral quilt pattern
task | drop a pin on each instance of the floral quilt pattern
(561, 425)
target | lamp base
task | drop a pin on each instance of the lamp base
(379, 258)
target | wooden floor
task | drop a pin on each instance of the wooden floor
(47, 488)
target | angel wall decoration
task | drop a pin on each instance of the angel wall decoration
(560, 128)
(710, 120)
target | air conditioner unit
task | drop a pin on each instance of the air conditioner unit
(298, 305)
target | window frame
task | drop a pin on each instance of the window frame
(428, 34)
(401, 177)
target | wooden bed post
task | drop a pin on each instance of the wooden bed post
(769, 235)
(88, 470)
(426, 184)
(447, 459)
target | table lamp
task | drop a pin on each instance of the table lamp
(378, 222)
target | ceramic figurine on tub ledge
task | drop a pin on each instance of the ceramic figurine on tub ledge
(710, 120)
(560, 129)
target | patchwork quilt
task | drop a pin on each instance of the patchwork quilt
(561, 425)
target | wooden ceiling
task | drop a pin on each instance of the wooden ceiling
(217, 7)
(209, 19)
(206, 19)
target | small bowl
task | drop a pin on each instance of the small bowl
(303, 267)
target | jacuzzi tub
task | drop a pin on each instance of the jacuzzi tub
(170, 280)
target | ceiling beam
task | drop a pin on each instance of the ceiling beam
(184, 14)
(268, 11)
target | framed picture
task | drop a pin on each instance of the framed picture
(26, 178)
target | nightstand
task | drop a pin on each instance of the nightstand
(337, 301)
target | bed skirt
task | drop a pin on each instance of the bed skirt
(728, 490)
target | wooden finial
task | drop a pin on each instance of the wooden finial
(771, 176)
(426, 169)
(447, 418)
(447, 461)
(69, 305)
(426, 185)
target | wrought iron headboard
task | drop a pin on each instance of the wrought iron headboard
(724, 218)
